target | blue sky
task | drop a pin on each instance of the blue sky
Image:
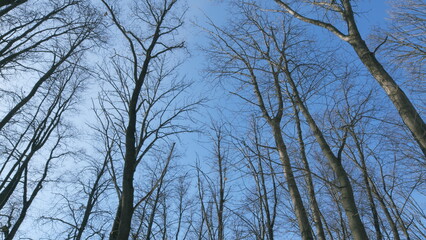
(373, 15)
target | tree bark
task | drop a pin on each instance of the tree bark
(345, 186)
(308, 178)
(154, 210)
(366, 177)
(301, 215)
(405, 108)
(91, 200)
(385, 209)
(128, 189)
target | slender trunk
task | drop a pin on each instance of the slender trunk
(221, 195)
(345, 186)
(141, 219)
(265, 226)
(274, 123)
(89, 206)
(405, 108)
(327, 227)
(179, 224)
(165, 218)
(260, 234)
(152, 216)
(308, 178)
(91, 201)
(385, 209)
(366, 177)
(22, 215)
(7, 192)
(339, 228)
(204, 214)
(379, 235)
(27, 203)
(301, 215)
(264, 201)
(399, 217)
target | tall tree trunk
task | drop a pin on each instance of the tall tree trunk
(122, 223)
(154, 210)
(398, 215)
(92, 199)
(345, 186)
(301, 215)
(127, 198)
(114, 231)
(308, 178)
(385, 209)
(275, 124)
(366, 178)
(265, 201)
(220, 219)
(125, 211)
(405, 108)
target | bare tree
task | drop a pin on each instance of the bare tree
(406, 38)
(164, 214)
(313, 203)
(335, 160)
(242, 55)
(320, 157)
(42, 130)
(42, 48)
(141, 96)
(369, 151)
(350, 117)
(80, 208)
(184, 205)
(405, 46)
(264, 200)
(152, 214)
(213, 190)
(29, 43)
(343, 9)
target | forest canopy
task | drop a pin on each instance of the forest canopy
(212, 120)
